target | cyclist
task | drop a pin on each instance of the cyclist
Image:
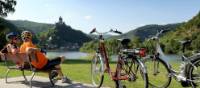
(40, 61)
(11, 48)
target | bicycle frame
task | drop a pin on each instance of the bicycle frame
(103, 52)
(179, 75)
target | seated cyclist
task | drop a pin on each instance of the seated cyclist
(39, 60)
(12, 49)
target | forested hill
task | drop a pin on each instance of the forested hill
(33, 26)
(65, 36)
(189, 30)
(149, 30)
(55, 36)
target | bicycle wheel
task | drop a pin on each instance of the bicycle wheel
(97, 70)
(136, 73)
(158, 73)
(194, 73)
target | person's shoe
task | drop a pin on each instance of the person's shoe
(53, 74)
(66, 80)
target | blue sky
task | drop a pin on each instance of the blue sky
(124, 15)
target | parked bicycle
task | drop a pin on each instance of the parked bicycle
(161, 72)
(128, 64)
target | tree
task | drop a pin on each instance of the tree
(7, 6)
(136, 42)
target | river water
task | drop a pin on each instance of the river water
(68, 55)
(78, 55)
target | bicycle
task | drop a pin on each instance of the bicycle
(126, 59)
(161, 68)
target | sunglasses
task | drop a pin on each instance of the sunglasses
(14, 38)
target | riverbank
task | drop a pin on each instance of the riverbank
(79, 70)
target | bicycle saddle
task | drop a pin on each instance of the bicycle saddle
(185, 42)
(124, 41)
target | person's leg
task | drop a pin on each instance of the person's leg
(55, 63)
(60, 73)
(59, 67)
(62, 59)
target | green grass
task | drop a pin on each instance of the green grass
(79, 70)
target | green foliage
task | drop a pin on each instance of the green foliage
(7, 6)
(196, 43)
(6, 27)
(33, 26)
(89, 46)
(189, 30)
(150, 46)
(112, 45)
(136, 42)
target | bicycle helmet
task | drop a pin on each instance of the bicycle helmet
(10, 35)
(26, 34)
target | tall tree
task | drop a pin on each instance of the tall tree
(7, 6)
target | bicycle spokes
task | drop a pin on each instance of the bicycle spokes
(158, 73)
(97, 71)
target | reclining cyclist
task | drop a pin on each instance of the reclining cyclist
(12, 49)
(38, 59)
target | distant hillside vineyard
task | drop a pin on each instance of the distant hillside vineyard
(51, 36)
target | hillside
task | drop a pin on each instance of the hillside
(33, 26)
(54, 36)
(64, 37)
(189, 30)
(137, 36)
(149, 30)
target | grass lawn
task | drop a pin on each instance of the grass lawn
(79, 70)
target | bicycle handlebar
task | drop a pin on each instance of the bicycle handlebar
(111, 30)
(158, 34)
(93, 30)
(115, 31)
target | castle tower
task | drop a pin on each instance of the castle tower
(60, 20)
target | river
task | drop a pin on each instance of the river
(68, 54)
(79, 55)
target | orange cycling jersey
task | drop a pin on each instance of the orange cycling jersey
(42, 60)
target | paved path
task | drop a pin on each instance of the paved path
(39, 82)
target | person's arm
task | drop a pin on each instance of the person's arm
(32, 52)
(31, 49)
(14, 50)
(1, 53)
(8, 47)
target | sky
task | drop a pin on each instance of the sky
(124, 15)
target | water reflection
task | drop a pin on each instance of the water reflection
(68, 55)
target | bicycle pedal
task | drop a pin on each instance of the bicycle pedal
(124, 77)
(120, 78)
(106, 70)
(132, 78)
(155, 73)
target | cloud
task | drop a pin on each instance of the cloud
(88, 17)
